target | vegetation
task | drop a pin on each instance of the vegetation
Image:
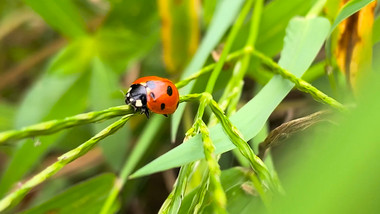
(278, 109)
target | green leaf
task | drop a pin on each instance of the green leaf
(85, 197)
(7, 112)
(62, 15)
(241, 195)
(58, 94)
(348, 9)
(179, 32)
(376, 31)
(304, 39)
(223, 18)
(338, 168)
(117, 47)
(275, 18)
(105, 93)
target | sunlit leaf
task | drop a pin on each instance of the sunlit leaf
(348, 9)
(179, 32)
(329, 169)
(354, 48)
(304, 39)
(62, 15)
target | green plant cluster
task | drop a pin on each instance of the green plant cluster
(221, 122)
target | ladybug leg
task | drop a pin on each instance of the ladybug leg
(165, 115)
(145, 111)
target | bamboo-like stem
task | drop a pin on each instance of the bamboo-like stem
(50, 127)
(236, 138)
(209, 68)
(17, 195)
(299, 83)
(214, 171)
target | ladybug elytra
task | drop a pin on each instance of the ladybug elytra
(153, 93)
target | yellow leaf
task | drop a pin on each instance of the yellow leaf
(354, 48)
(179, 32)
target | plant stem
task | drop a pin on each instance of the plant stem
(17, 195)
(299, 83)
(205, 70)
(227, 47)
(53, 126)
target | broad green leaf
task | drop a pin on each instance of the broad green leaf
(27, 155)
(332, 168)
(118, 46)
(85, 197)
(348, 9)
(59, 93)
(179, 32)
(275, 19)
(62, 15)
(105, 93)
(7, 112)
(224, 16)
(303, 40)
(376, 30)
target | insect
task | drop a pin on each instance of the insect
(153, 93)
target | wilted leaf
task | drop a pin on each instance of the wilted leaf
(179, 32)
(354, 48)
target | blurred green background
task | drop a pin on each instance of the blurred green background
(64, 57)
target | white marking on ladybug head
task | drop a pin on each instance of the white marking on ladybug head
(143, 84)
(138, 103)
(128, 94)
(131, 99)
(130, 88)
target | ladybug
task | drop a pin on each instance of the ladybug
(152, 93)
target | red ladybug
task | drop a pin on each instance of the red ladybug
(156, 94)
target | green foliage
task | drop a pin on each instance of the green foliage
(270, 52)
(78, 199)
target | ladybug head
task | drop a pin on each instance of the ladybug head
(136, 97)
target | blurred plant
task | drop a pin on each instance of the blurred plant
(86, 72)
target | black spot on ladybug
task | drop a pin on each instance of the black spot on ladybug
(162, 106)
(169, 90)
(152, 96)
(151, 84)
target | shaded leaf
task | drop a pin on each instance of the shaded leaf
(59, 93)
(78, 199)
(105, 93)
(303, 41)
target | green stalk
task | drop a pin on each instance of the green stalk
(53, 126)
(214, 171)
(14, 197)
(227, 47)
(205, 70)
(237, 139)
(299, 83)
(141, 146)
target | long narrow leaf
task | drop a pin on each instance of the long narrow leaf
(304, 39)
